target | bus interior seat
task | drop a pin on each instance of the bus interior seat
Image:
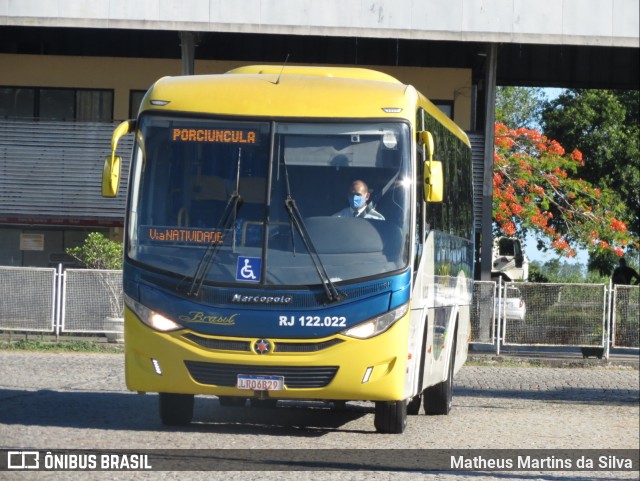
(351, 235)
(252, 189)
(252, 192)
(390, 205)
(209, 187)
(210, 195)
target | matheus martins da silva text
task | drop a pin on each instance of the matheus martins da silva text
(608, 462)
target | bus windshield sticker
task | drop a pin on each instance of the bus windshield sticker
(218, 136)
(181, 235)
(248, 269)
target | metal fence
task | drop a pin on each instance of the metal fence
(57, 301)
(27, 299)
(539, 314)
(556, 315)
(92, 301)
(502, 314)
(625, 317)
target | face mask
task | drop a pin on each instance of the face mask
(357, 201)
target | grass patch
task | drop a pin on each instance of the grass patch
(572, 363)
(40, 345)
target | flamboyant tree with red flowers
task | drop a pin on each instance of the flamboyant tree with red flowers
(536, 189)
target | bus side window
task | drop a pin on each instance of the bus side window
(420, 213)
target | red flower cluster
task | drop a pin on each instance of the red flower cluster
(508, 227)
(577, 156)
(618, 225)
(533, 177)
(556, 148)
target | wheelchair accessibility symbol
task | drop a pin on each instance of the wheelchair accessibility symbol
(248, 269)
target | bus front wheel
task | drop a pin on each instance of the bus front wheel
(176, 409)
(438, 398)
(413, 406)
(391, 417)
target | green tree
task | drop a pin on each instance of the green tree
(537, 273)
(605, 126)
(98, 252)
(519, 106)
(556, 270)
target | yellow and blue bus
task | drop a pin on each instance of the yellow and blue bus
(290, 235)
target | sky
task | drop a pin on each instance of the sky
(533, 254)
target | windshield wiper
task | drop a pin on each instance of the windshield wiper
(333, 295)
(227, 220)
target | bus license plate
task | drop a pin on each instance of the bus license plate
(260, 383)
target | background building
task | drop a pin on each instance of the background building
(70, 68)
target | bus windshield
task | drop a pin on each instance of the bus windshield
(221, 191)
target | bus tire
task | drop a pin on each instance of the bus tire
(413, 406)
(391, 417)
(232, 401)
(176, 409)
(438, 398)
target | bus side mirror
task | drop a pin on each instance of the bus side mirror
(112, 163)
(111, 176)
(433, 181)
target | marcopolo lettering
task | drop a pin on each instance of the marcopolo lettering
(261, 299)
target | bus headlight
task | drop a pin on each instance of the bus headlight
(377, 325)
(151, 318)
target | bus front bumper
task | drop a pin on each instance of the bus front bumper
(334, 368)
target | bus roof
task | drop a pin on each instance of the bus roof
(293, 91)
(334, 72)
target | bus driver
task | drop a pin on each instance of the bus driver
(358, 197)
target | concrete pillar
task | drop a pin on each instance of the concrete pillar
(187, 49)
(487, 183)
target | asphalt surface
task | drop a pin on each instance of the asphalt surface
(58, 401)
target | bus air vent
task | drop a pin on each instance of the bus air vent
(219, 344)
(305, 346)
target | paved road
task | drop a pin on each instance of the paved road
(79, 401)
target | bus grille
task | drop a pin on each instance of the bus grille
(245, 346)
(304, 346)
(220, 344)
(294, 376)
